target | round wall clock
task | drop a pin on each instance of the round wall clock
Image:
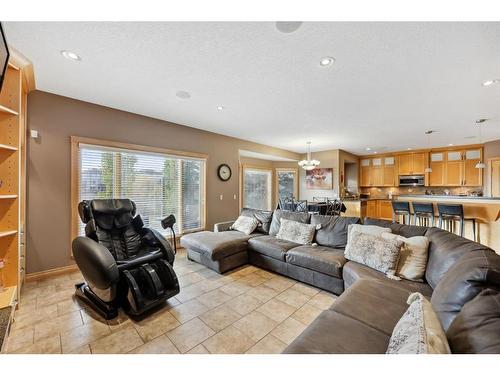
(224, 172)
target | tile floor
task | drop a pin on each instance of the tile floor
(248, 310)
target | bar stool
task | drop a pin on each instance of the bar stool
(401, 208)
(450, 213)
(425, 214)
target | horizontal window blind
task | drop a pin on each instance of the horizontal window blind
(159, 184)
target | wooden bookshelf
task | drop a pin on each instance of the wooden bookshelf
(13, 99)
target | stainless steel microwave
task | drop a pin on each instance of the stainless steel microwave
(417, 180)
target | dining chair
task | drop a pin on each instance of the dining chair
(301, 206)
(286, 204)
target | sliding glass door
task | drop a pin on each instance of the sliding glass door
(287, 183)
(257, 188)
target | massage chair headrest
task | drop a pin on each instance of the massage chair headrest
(108, 212)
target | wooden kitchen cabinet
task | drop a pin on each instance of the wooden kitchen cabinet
(380, 171)
(437, 164)
(364, 172)
(371, 209)
(385, 209)
(412, 164)
(389, 171)
(377, 172)
(460, 168)
(472, 176)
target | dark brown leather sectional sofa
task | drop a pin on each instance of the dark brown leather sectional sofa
(462, 280)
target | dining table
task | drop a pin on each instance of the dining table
(316, 207)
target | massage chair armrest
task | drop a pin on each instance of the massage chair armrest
(157, 239)
(95, 262)
(223, 227)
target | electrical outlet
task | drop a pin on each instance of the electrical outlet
(221, 197)
(234, 196)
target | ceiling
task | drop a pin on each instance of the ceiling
(390, 81)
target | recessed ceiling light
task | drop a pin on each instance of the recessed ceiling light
(450, 144)
(183, 94)
(374, 152)
(70, 55)
(220, 107)
(409, 148)
(491, 82)
(368, 149)
(288, 27)
(325, 61)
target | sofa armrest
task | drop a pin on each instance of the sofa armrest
(222, 227)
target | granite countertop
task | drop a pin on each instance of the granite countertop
(432, 196)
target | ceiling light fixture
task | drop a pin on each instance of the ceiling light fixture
(368, 149)
(428, 134)
(71, 55)
(325, 61)
(183, 94)
(288, 27)
(480, 164)
(409, 148)
(309, 164)
(220, 107)
(491, 82)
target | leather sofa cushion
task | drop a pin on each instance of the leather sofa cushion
(353, 272)
(473, 272)
(333, 231)
(445, 249)
(217, 245)
(476, 329)
(335, 333)
(373, 303)
(301, 217)
(318, 258)
(399, 229)
(271, 246)
(264, 218)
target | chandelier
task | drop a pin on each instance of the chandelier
(309, 164)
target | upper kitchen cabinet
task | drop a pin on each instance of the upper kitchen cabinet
(437, 164)
(456, 168)
(412, 164)
(378, 171)
(454, 173)
(472, 176)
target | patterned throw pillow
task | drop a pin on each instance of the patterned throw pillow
(373, 251)
(374, 230)
(296, 232)
(419, 330)
(245, 224)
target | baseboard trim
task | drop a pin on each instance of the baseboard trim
(53, 272)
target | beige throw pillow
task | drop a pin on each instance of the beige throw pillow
(413, 256)
(373, 251)
(296, 232)
(374, 230)
(245, 224)
(419, 330)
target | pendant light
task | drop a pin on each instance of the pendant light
(309, 164)
(428, 134)
(480, 164)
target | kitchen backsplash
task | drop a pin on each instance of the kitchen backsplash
(383, 192)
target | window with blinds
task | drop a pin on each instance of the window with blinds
(159, 184)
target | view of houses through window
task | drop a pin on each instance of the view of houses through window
(159, 184)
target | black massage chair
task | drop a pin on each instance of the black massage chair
(124, 264)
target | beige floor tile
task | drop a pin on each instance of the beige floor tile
(228, 341)
(262, 293)
(293, 298)
(83, 335)
(245, 270)
(323, 300)
(31, 318)
(209, 285)
(276, 310)
(243, 304)
(279, 283)
(58, 296)
(190, 278)
(308, 290)
(59, 324)
(192, 266)
(255, 325)
(220, 318)
(159, 345)
(190, 292)
(252, 280)
(48, 345)
(209, 274)
(235, 288)
(214, 298)
(20, 338)
(69, 305)
(188, 310)
(85, 349)
(268, 345)
(89, 315)
(190, 334)
(155, 325)
(266, 274)
(288, 330)
(181, 270)
(118, 342)
(198, 349)
(306, 314)
(39, 292)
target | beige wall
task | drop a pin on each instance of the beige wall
(491, 150)
(57, 118)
